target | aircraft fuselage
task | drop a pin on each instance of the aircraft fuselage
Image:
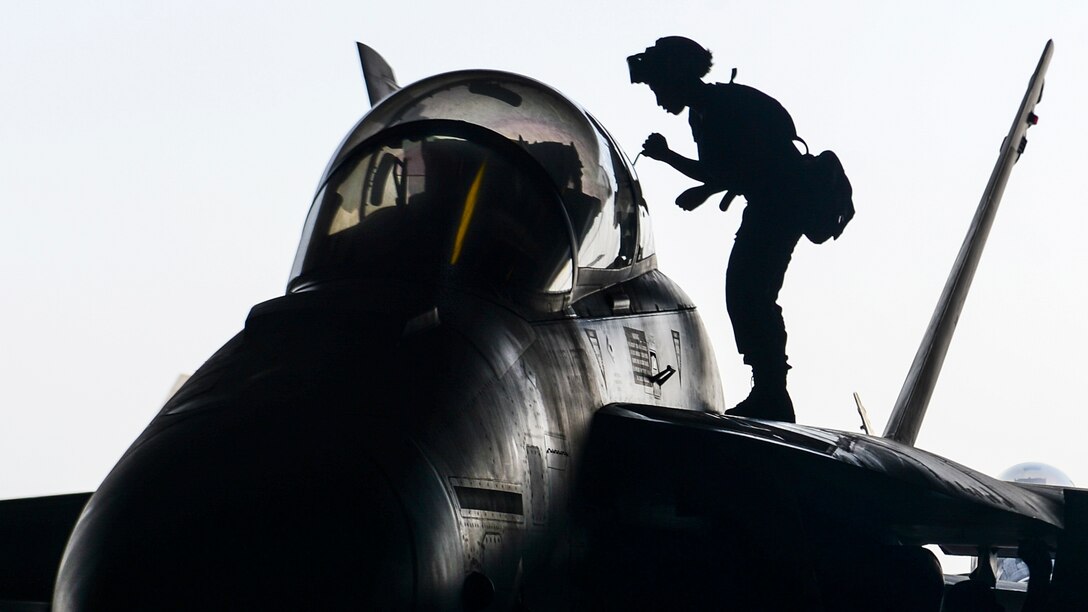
(373, 446)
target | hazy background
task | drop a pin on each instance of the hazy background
(157, 161)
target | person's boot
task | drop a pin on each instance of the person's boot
(768, 399)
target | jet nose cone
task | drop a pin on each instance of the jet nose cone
(311, 522)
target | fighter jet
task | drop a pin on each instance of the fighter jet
(480, 393)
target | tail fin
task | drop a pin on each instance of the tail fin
(910, 407)
(379, 78)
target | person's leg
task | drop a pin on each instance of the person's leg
(757, 268)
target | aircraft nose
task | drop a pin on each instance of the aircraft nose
(317, 523)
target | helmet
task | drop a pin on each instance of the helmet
(672, 56)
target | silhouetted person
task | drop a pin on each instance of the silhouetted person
(970, 596)
(1035, 555)
(745, 142)
(915, 581)
(890, 578)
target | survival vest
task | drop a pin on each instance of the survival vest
(828, 202)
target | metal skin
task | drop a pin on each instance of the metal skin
(385, 440)
(313, 461)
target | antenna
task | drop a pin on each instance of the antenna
(866, 424)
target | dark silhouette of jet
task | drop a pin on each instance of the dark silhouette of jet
(479, 393)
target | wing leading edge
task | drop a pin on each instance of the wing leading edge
(733, 509)
(867, 485)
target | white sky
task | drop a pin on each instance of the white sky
(157, 161)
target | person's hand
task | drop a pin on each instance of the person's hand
(693, 198)
(655, 147)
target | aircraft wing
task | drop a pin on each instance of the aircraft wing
(678, 464)
(33, 534)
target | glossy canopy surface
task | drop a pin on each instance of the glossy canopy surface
(483, 177)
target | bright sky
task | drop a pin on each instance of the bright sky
(157, 161)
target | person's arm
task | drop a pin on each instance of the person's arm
(656, 147)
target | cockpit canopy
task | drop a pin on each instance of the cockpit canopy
(482, 178)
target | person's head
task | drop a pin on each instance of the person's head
(673, 68)
(970, 595)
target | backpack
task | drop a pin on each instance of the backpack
(829, 204)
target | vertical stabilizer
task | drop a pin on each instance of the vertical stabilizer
(379, 78)
(910, 407)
